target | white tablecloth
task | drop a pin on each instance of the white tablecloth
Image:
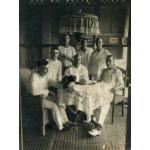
(86, 97)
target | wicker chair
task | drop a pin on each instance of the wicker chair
(120, 98)
(38, 100)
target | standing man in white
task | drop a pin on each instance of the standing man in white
(66, 52)
(85, 53)
(98, 59)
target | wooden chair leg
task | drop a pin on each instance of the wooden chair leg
(43, 124)
(43, 130)
(122, 107)
(113, 109)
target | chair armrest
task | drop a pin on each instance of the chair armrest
(41, 100)
(118, 98)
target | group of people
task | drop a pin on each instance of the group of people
(86, 65)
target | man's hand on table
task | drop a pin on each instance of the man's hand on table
(83, 81)
(92, 81)
(114, 90)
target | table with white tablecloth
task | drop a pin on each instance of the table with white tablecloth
(86, 97)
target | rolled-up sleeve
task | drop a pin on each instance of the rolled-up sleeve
(73, 51)
(120, 81)
(59, 75)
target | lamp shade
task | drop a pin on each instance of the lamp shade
(86, 24)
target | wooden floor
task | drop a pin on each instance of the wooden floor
(77, 138)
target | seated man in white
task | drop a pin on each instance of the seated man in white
(113, 77)
(39, 86)
(54, 76)
(78, 70)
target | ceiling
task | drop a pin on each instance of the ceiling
(88, 2)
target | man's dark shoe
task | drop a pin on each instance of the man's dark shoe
(68, 125)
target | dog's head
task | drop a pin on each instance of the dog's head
(68, 79)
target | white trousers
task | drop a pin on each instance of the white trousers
(58, 117)
(101, 113)
(63, 114)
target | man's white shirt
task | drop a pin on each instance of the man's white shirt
(98, 62)
(69, 52)
(38, 85)
(85, 56)
(54, 70)
(80, 72)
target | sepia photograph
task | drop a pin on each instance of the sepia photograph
(74, 74)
